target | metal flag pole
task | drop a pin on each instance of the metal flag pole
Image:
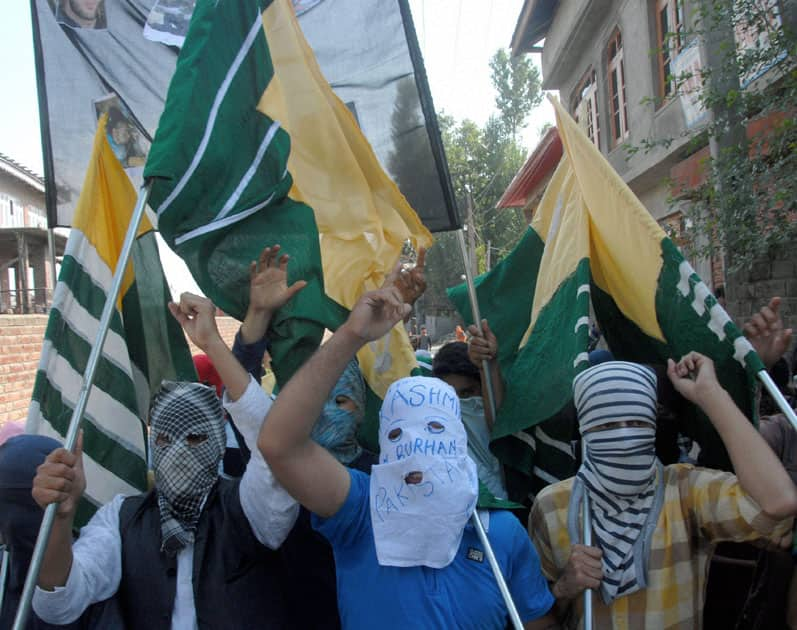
(77, 415)
(488, 381)
(773, 390)
(5, 560)
(586, 535)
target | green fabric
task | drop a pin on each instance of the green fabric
(538, 378)
(685, 330)
(506, 295)
(245, 153)
(505, 298)
(162, 353)
(156, 348)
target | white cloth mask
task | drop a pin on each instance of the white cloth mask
(425, 489)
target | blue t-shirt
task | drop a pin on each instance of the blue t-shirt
(462, 595)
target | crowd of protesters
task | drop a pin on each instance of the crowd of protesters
(267, 511)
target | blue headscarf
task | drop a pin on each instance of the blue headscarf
(336, 428)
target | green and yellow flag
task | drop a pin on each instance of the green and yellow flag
(254, 149)
(144, 344)
(591, 240)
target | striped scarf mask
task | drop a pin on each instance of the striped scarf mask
(619, 471)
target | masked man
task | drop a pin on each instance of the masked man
(197, 551)
(453, 365)
(654, 526)
(404, 554)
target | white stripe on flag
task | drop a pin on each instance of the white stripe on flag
(101, 484)
(250, 172)
(547, 477)
(582, 321)
(83, 250)
(742, 348)
(85, 325)
(257, 27)
(525, 437)
(547, 439)
(107, 413)
(580, 358)
(217, 225)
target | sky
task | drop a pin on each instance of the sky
(457, 38)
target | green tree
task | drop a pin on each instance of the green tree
(518, 89)
(482, 161)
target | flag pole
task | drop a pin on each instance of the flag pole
(586, 524)
(488, 381)
(776, 394)
(77, 415)
(5, 560)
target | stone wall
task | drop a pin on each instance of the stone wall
(20, 347)
(749, 290)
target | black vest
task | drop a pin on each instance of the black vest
(236, 579)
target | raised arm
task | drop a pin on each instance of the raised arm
(483, 346)
(758, 469)
(271, 512)
(306, 470)
(197, 316)
(268, 292)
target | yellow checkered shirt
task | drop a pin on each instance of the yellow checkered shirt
(701, 507)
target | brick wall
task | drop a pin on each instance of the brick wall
(20, 346)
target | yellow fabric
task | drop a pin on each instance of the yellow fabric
(701, 508)
(562, 223)
(106, 204)
(625, 240)
(363, 220)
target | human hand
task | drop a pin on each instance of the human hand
(376, 312)
(766, 333)
(583, 570)
(197, 316)
(482, 345)
(268, 282)
(412, 282)
(60, 479)
(694, 377)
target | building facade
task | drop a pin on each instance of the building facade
(27, 248)
(612, 62)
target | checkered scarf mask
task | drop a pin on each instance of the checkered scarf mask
(619, 469)
(187, 442)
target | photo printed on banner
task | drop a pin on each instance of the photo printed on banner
(168, 21)
(87, 14)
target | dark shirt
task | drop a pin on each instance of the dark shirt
(424, 342)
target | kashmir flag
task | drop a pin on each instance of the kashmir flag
(255, 149)
(144, 344)
(591, 240)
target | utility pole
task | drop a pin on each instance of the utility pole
(471, 237)
(489, 256)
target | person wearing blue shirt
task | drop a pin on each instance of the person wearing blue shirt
(405, 553)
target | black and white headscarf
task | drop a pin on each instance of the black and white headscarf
(187, 442)
(619, 472)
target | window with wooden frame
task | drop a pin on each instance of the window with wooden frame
(585, 106)
(617, 102)
(669, 36)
